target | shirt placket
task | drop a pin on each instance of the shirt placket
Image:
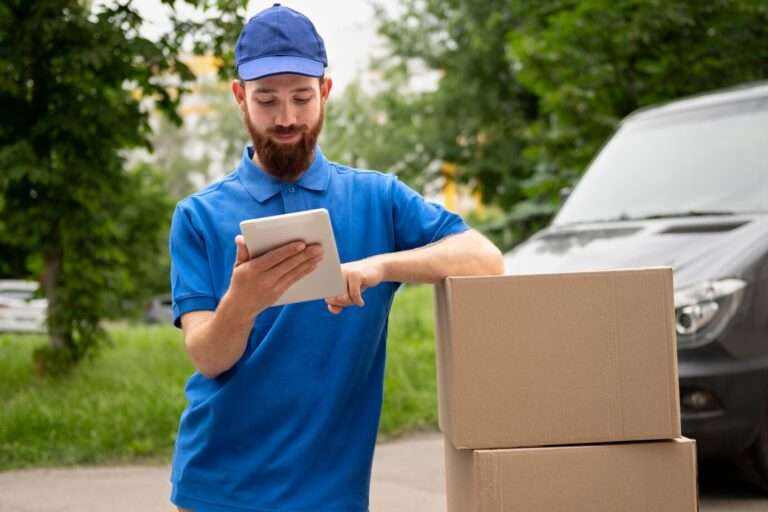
(291, 197)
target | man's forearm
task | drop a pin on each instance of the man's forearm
(464, 254)
(216, 344)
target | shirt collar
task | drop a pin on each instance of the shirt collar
(262, 185)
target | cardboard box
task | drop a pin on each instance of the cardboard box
(557, 359)
(658, 476)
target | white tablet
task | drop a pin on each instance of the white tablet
(311, 226)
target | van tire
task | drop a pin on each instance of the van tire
(753, 462)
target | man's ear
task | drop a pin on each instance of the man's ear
(238, 91)
(325, 89)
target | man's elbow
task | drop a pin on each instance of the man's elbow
(488, 259)
(492, 261)
(208, 372)
(210, 364)
(203, 364)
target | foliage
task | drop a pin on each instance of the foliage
(480, 109)
(381, 131)
(215, 34)
(124, 406)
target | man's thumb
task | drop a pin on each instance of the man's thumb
(242, 250)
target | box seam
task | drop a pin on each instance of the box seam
(450, 358)
(616, 346)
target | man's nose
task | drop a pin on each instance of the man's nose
(286, 115)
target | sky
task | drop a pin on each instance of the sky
(347, 27)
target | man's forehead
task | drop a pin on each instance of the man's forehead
(283, 82)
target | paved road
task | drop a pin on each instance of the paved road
(407, 477)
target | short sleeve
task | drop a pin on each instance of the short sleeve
(191, 282)
(419, 222)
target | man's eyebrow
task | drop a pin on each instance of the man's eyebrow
(266, 90)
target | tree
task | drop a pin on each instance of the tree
(479, 107)
(479, 111)
(75, 90)
(383, 130)
(66, 195)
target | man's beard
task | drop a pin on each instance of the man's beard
(285, 161)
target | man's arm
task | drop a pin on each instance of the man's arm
(464, 254)
(215, 341)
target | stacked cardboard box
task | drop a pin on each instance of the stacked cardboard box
(559, 392)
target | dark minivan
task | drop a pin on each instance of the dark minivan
(685, 184)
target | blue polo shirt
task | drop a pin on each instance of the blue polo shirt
(292, 425)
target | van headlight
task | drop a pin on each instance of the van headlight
(703, 310)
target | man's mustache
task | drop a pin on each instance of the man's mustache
(288, 130)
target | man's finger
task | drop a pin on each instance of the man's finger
(296, 273)
(241, 256)
(335, 309)
(276, 256)
(340, 300)
(284, 267)
(353, 289)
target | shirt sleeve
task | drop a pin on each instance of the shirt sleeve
(191, 282)
(419, 222)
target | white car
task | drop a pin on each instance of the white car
(19, 311)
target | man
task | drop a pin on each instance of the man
(284, 407)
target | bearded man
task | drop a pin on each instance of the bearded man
(283, 408)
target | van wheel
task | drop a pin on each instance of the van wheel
(753, 462)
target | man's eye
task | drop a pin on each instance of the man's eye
(301, 100)
(265, 103)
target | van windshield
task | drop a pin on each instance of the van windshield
(709, 160)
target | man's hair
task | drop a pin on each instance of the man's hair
(320, 78)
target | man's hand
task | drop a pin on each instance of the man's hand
(359, 276)
(258, 282)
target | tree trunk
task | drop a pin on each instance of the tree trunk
(57, 333)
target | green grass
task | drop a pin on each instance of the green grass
(124, 406)
(410, 386)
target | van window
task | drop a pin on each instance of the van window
(712, 159)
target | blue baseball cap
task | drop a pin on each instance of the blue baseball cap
(279, 40)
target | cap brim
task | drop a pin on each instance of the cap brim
(259, 68)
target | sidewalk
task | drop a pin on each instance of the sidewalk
(407, 476)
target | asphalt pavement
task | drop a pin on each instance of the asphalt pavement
(408, 476)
